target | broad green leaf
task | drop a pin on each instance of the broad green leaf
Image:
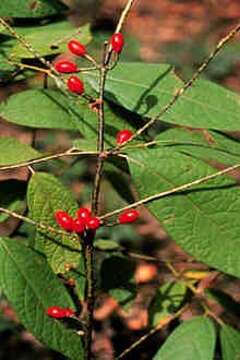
(31, 287)
(147, 88)
(167, 300)
(49, 110)
(206, 145)
(230, 343)
(14, 152)
(202, 220)
(45, 196)
(193, 339)
(12, 194)
(30, 8)
(49, 39)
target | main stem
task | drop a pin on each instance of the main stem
(88, 241)
(88, 248)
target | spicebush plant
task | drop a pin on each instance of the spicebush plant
(144, 129)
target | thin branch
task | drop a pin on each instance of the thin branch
(88, 240)
(69, 152)
(164, 322)
(124, 15)
(223, 42)
(172, 191)
(32, 222)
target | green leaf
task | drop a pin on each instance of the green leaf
(31, 287)
(12, 195)
(45, 196)
(208, 145)
(14, 152)
(167, 300)
(30, 8)
(55, 112)
(106, 245)
(147, 88)
(230, 343)
(193, 339)
(202, 220)
(49, 39)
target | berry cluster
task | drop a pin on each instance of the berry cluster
(74, 83)
(58, 312)
(84, 221)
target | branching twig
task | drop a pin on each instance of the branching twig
(172, 191)
(224, 41)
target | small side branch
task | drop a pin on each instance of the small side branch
(172, 191)
(164, 322)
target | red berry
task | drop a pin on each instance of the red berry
(93, 223)
(117, 42)
(83, 213)
(79, 226)
(68, 312)
(56, 312)
(77, 48)
(123, 136)
(65, 66)
(75, 85)
(64, 220)
(128, 216)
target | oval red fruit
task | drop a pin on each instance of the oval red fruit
(56, 312)
(117, 42)
(75, 85)
(79, 226)
(66, 66)
(68, 312)
(123, 136)
(77, 48)
(128, 216)
(64, 220)
(93, 223)
(83, 213)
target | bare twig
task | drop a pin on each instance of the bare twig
(172, 191)
(32, 222)
(164, 322)
(69, 152)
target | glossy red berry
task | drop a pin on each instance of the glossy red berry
(79, 226)
(64, 220)
(75, 85)
(65, 66)
(117, 42)
(77, 48)
(56, 312)
(93, 223)
(123, 136)
(68, 312)
(83, 213)
(128, 216)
